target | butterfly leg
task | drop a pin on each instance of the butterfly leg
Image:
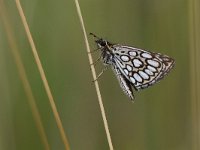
(93, 51)
(96, 61)
(104, 69)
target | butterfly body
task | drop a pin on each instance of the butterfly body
(134, 67)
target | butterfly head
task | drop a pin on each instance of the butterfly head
(101, 43)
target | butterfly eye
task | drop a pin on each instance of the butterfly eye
(101, 42)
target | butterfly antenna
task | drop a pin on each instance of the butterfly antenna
(94, 35)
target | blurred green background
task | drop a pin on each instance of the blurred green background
(163, 117)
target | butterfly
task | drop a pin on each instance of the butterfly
(132, 66)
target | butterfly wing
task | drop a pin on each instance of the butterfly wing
(142, 68)
(124, 83)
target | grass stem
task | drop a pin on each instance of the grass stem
(22, 75)
(94, 76)
(43, 76)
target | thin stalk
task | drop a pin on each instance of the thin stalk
(194, 23)
(23, 76)
(43, 76)
(94, 77)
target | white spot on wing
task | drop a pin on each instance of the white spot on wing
(148, 72)
(137, 62)
(126, 71)
(124, 58)
(146, 55)
(129, 67)
(137, 77)
(153, 63)
(151, 68)
(132, 53)
(143, 75)
(132, 80)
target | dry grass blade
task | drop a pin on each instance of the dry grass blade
(94, 77)
(43, 76)
(194, 23)
(22, 75)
